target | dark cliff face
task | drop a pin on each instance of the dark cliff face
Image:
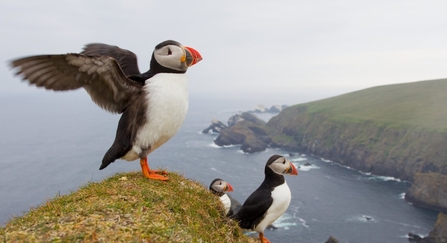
(405, 152)
(437, 235)
(250, 132)
(429, 190)
(398, 151)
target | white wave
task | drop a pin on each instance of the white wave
(365, 173)
(384, 178)
(362, 218)
(305, 167)
(345, 166)
(402, 195)
(408, 237)
(225, 146)
(303, 222)
(326, 160)
(285, 222)
(299, 159)
(214, 145)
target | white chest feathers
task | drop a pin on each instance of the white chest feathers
(281, 200)
(226, 202)
(167, 103)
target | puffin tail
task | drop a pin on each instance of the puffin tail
(115, 152)
(104, 164)
(107, 160)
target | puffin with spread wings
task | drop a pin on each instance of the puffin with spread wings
(153, 104)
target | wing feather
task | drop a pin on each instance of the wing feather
(126, 59)
(100, 76)
(253, 209)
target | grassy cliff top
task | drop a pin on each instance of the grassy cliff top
(128, 208)
(422, 103)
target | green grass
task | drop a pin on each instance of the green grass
(128, 208)
(422, 104)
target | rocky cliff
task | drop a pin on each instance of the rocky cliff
(377, 148)
(395, 130)
(429, 190)
(246, 130)
(437, 235)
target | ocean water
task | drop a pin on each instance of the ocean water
(53, 143)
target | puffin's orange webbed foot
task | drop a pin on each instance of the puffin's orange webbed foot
(152, 174)
(263, 239)
(158, 172)
(155, 176)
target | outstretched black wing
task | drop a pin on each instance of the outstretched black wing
(126, 59)
(100, 76)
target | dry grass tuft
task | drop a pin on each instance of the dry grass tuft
(128, 208)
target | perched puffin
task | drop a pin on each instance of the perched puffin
(218, 187)
(272, 198)
(153, 104)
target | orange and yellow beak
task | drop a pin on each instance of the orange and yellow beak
(192, 56)
(228, 188)
(292, 169)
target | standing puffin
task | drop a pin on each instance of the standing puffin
(153, 104)
(269, 202)
(218, 187)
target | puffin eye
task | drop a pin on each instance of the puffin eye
(169, 52)
(284, 162)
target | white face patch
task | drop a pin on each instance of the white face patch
(170, 56)
(280, 165)
(219, 185)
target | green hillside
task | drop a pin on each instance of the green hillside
(421, 104)
(128, 208)
(395, 130)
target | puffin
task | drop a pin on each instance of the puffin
(218, 187)
(270, 200)
(153, 104)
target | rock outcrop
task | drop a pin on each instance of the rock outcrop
(429, 190)
(246, 130)
(437, 235)
(439, 232)
(273, 109)
(332, 240)
(215, 127)
(235, 119)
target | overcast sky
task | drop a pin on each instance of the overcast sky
(304, 49)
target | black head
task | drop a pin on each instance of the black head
(219, 186)
(172, 57)
(280, 165)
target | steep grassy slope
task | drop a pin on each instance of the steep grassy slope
(128, 208)
(422, 104)
(394, 130)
